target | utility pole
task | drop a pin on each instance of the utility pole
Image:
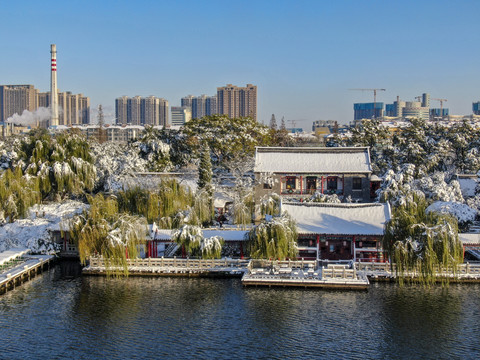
(374, 97)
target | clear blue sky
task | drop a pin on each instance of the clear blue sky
(302, 55)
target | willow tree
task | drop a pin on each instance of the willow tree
(274, 238)
(165, 205)
(17, 194)
(420, 242)
(191, 239)
(103, 231)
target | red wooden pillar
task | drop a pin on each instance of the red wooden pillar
(318, 246)
(301, 184)
(322, 184)
(149, 244)
(241, 250)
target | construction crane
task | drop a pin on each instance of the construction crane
(294, 123)
(374, 97)
(441, 106)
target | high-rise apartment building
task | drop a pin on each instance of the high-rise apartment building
(181, 115)
(187, 101)
(121, 117)
(476, 108)
(201, 106)
(14, 99)
(142, 111)
(237, 101)
(73, 108)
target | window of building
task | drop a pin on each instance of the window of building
(291, 182)
(332, 183)
(357, 184)
(311, 183)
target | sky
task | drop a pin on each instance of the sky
(304, 56)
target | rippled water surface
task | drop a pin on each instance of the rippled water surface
(58, 317)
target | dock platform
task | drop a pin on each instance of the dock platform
(303, 274)
(172, 267)
(17, 267)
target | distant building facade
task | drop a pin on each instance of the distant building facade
(410, 109)
(136, 110)
(476, 108)
(200, 106)
(114, 133)
(74, 108)
(367, 111)
(181, 115)
(14, 99)
(237, 101)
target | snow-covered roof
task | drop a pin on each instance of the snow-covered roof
(337, 219)
(34, 232)
(220, 199)
(227, 235)
(312, 160)
(470, 238)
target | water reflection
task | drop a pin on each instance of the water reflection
(144, 318)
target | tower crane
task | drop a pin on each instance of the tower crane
(441, 106)
(374, 97)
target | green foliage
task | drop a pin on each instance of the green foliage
(104, 231)
(425, 243)
(17, 194)
(62, 164)
(274, 239)
(190, 237)
(227, 138)
(154, 150)
(171, 205)
(205, 168)
(270, 205)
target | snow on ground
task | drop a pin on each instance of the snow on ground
(468, 186)
(462, 212)
(34, 232)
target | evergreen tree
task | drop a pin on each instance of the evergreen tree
(205, 169)
(273, 123)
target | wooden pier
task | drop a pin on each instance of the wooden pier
(385, 272)
(303, 274)
(172, 267)
(16, 267)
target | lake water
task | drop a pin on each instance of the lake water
(60, 316)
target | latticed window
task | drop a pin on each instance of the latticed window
(357, 183)
(291, 182)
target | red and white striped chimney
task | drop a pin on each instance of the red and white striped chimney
(53, 87)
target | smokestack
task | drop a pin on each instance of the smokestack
(53, 87)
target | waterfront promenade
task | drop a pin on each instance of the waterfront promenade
(288, 273)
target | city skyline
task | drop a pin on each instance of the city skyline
(303, 56)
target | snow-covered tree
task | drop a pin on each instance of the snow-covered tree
(275, 238)
(421, 241)
(103, 230)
